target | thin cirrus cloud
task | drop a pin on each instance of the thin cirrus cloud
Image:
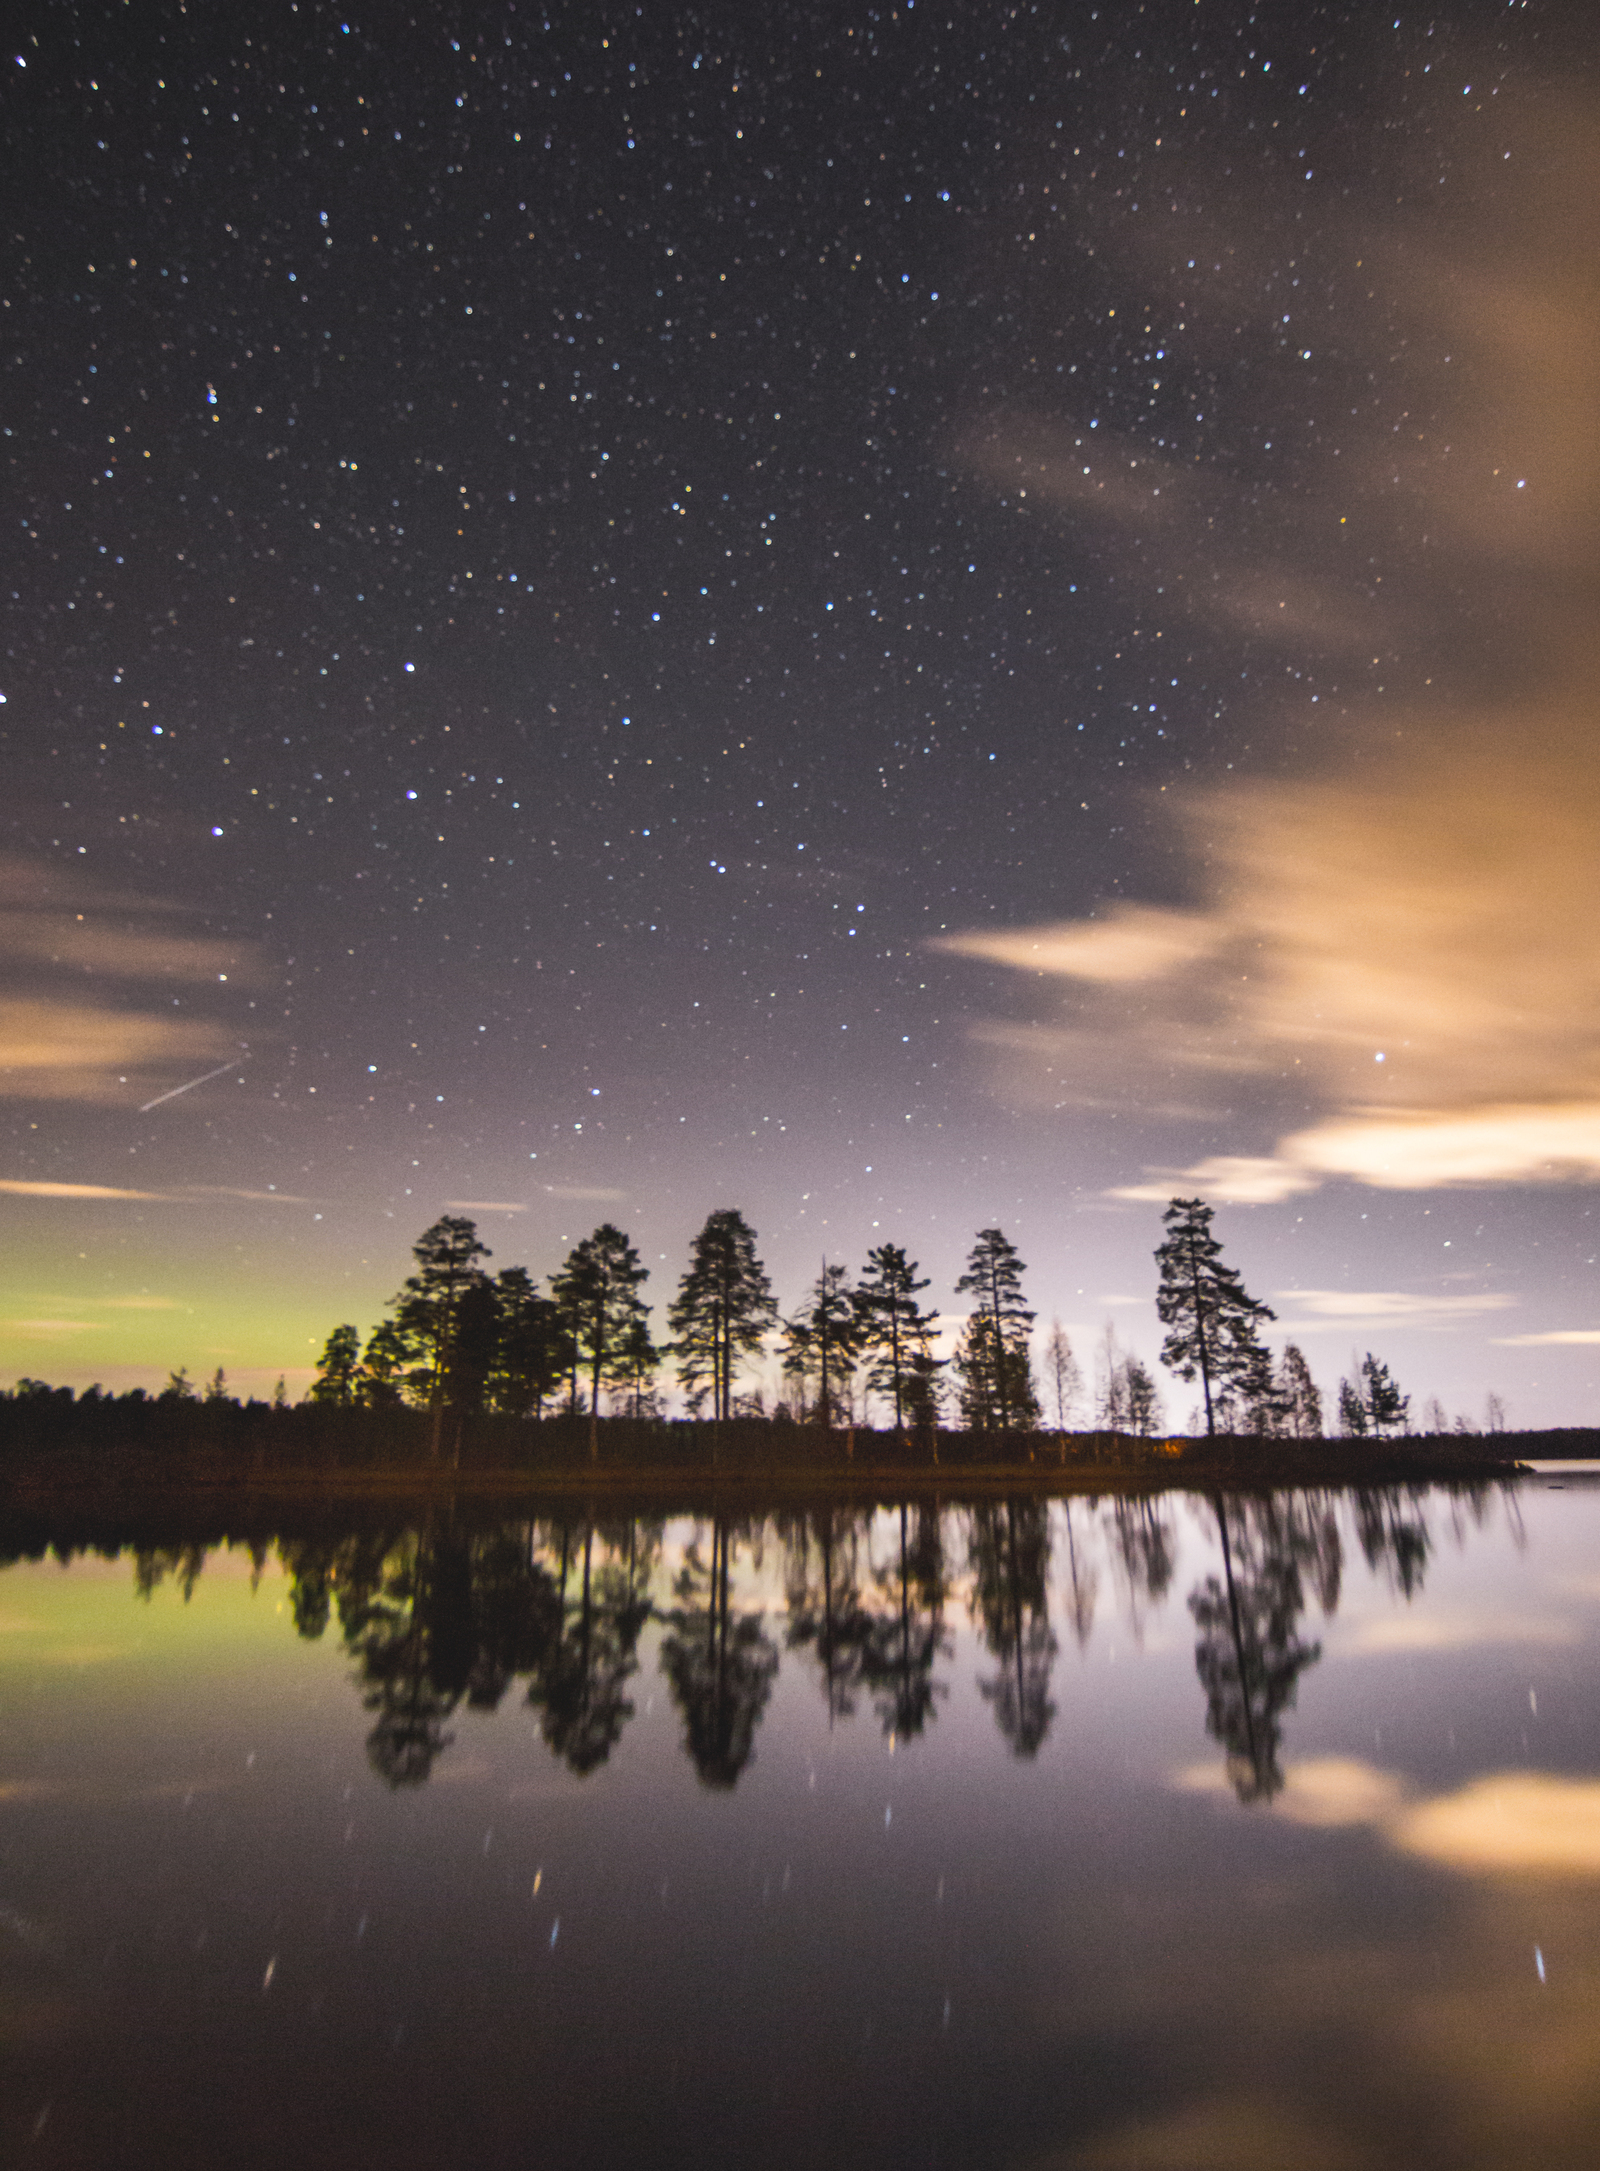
(1390, 966)
(1556, 1338)
(77, 1022)
(1306, 1311)
(184, 1195)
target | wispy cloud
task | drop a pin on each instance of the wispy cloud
(183, 1195)
(1389, 967)
(81, 965)
(1554, 1338)
(485, 1206)
(1311, 1310)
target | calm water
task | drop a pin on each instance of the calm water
(995, 1836)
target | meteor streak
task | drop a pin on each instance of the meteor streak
(232, 1063)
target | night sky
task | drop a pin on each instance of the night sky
(901, 618)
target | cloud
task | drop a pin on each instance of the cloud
(80, 964)
(20, 1189)
(50, 1326)
(1580, 1336)
(1386, 969)
(1439, 1629)
(484, 1206)
(1315, 1309)
(1519, 1821)
(185, 1195)
(1510, 1822)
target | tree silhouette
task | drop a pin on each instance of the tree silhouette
(533, 1347)
(1009, 1549)
(718, 1664)
(1249, 1656)
(821, 1342)
(428, 1305)
(995, 1381)
(414, 1645)
(826, 1616)
(1393, 1539)
(994, 1278)
(337, 1367)
(597, 1290)
(1213, 1321)
(907, 1638)
(723, 1308)
(893, 1329)
(581, 1681)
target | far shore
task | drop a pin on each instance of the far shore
(336, 1455)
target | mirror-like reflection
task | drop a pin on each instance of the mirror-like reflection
(1086, 1831)
(450, 1612)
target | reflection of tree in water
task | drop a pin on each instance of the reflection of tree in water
(152, 1564)
(826, 1616)
(1250, 1656)
(410, 1631)
(1394, 1535)
(904, 1641)
(1144, 1544)
(579, 1682)
(1009, 1553)
(1084, 1578)
(436, 1616)
(719, 1664)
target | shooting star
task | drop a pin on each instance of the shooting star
(232, 1063)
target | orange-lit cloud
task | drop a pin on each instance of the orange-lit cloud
(1504, 1823)
(1389, 969)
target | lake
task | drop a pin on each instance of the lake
(1170, 1831)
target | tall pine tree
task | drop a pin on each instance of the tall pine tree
(994, 1277)
(723, 1308)
(1214, 1322)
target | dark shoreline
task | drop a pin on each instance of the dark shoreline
(735, 1466)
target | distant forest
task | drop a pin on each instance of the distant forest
(460, 1343)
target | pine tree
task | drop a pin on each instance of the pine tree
(425, 1309)
(597, 1291)
(1385, 1404)
(336, 1368)
(1145, 1416)
(723, 1308)
(1353, 1419)
(994, 1277)
(1214, 1322)
(996, 1381)
(822, 1340)
(892, 1328)
(533, 1348)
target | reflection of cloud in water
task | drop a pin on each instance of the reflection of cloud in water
(1521, 1822)
(1322, 1790)
(1229, 2136)
(1438, 1629)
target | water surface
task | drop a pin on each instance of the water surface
(1174, 1832)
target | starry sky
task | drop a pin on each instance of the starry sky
(901, 617)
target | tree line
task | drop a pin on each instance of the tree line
(457, 1341)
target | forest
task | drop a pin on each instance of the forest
(467, 1365)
